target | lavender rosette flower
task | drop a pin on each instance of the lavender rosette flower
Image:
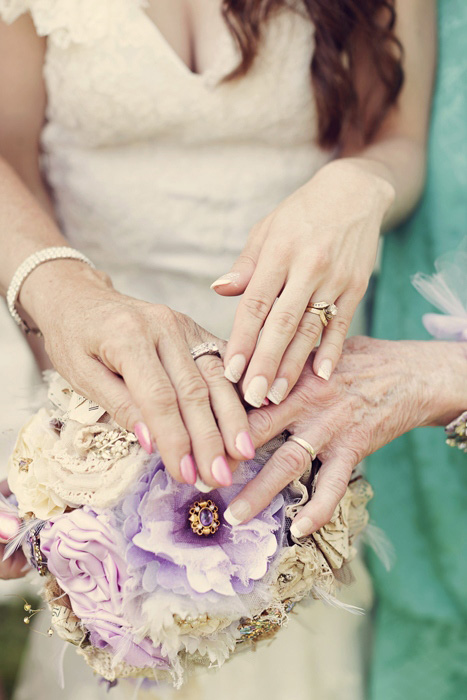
(166, 552)
(86, 555)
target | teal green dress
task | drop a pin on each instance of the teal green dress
(420, 645)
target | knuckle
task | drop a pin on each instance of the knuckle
(192, 388)
(286, 321)
(123, 413)
(161, 393)
(257, 306)
(212, 368)
(262, 424)
(309, 329)
(340, 324)
(292, 464)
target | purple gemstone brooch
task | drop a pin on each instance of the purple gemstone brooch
(204, 518)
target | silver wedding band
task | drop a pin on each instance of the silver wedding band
(303, 443)
(205, 349)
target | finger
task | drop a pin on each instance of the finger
(236, 281)
(333, 479)
(153, 393)
(266, 423)
(228, 409)
(193, 397)
(330, 349)
(289, 462)
(296, 355)
(252, 311)
(278, 332)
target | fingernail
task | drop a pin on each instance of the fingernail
(325, 369)
(221, 471)
(188, 469)
(256, 391)
(9, 526)
(237, 512)
(141, 431)
(266, 402)
(229, 278)
(235, 368)
(244, 444)
(302, 527)
(278, 390)
(201, 486)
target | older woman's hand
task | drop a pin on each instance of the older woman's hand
(380, 390)
(133, 359)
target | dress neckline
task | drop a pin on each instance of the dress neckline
(227, 56)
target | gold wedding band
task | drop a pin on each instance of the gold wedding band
(303, 443)
(318, 312)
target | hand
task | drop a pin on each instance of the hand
(14, 566)
(380, 390)
(320, 244)
(133, 358)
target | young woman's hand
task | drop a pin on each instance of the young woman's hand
(133, 359)
(380, 390)
(319, 245)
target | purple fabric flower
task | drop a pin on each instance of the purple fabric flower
(168, 554)
(85, 554)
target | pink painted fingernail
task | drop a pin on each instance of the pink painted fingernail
(266, 402)
(235, 368)
(9, 526)
(221, 471)
(244, 444)
(141, 431)
(188, 469)
(237, 512)
(325, 369)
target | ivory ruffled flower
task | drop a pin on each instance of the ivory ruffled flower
(29, 466)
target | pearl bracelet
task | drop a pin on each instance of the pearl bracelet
(25, 269)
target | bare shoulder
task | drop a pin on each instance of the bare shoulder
(22, 89)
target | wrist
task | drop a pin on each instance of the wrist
(448, 381)
(54, 283)
(365, 180)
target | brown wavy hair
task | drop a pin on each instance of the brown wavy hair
(347, 33)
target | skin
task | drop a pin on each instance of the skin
(14, 567)
(189, 409)
(379, 390)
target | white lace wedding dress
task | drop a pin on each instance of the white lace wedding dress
(158, 174)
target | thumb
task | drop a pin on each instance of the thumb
(236, 281)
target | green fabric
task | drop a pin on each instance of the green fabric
(421, 484)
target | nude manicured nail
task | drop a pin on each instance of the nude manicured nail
(278, 390)
(141, 431)
(235, 368)
(201, 486)
(188, 469)
(301, 527)
(325, 369)
(237, 512)
(256, 391)
(229, 278)
(221, 471)
(244, 444)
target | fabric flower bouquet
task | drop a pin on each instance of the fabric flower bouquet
(143, 574)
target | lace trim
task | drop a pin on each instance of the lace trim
(69, 21)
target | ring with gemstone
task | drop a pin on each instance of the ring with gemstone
(324, 310)
(203, 517)
(205, 349)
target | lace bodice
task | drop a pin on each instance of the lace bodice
(159, 173)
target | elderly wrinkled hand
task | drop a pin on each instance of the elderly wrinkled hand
(380, 390)
(14, 567)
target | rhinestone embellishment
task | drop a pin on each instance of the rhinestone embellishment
(204, 518)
